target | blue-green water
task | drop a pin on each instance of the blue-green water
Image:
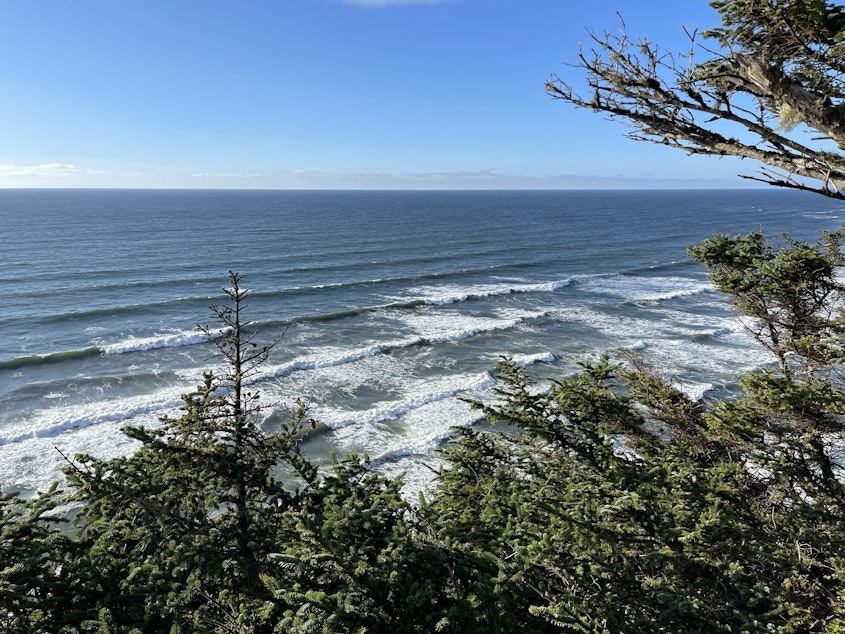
(394, 304)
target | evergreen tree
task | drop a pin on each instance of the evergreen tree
(181, 529)
(580, 517)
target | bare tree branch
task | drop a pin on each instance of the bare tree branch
(735, 102)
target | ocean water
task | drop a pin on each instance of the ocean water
(394, 305)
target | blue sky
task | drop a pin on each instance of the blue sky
(377, 94)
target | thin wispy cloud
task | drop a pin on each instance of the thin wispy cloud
(460, 179)
(229, 175)
(45, 169)
(70, 175)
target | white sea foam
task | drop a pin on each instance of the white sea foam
(418, 473)
(33, 454)
(174, 339)
(526, 360)
(646, 289)
(34, 463)
(452, 294)
(443, 326)
(395, 433)
(654, 326)
(422, 428)
(667, 343)
(717, 333)
(694, 390)
(330, 357)
(428, 328)
(431, 391)
(55, 421)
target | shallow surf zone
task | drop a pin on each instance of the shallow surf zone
(389, 383)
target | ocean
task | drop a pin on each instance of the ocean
(394, 305)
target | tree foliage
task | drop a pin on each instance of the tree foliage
(766, 85)
(593, 523)
(39, 581)
(789, 296)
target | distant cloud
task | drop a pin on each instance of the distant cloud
(69, 175)
(229, 175)
(45, 169)
(390, 3)
(467, 179)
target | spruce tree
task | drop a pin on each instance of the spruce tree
(180, 530)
